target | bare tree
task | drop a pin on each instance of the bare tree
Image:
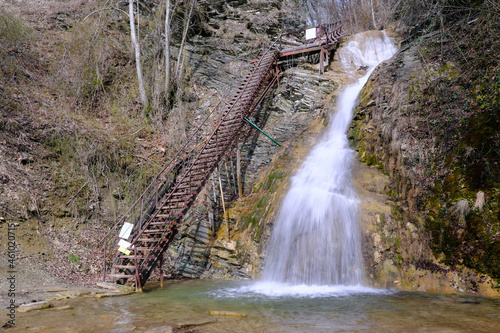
(137, 50)
(167, 48)
(184, 35)
(373, 14)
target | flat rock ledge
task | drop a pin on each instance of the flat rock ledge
(34, 306)
(107, 294)
(195, 323)
(226, 314)
(115, 287)
(161, 329)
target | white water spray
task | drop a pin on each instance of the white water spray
(316, 239)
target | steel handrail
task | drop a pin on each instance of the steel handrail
(155, 179)
(325, 33)
(327, 25)
(223, 117)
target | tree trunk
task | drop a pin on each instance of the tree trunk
(184, 35)
(373, 15)
(137, 49)
(354, 15)
(167, 49)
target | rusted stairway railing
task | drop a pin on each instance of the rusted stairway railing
(154, 233)
(321, 39)
(154, 218)
(311, 40)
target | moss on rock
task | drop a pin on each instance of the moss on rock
(437, 134)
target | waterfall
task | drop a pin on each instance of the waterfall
(316, 238)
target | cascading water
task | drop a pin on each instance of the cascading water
(316, 239)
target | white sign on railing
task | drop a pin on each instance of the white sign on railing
(311, 33)
(126, 230)
(124, 244)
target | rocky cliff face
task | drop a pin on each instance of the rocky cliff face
(413, 215)
(290, 114)
(423, 122)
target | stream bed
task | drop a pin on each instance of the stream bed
(266, 308)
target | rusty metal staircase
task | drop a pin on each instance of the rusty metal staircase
(158, 219)
(153, 220)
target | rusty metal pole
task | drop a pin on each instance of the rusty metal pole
(156, 192)
(238, 170)
(138, 287)
(223, 205)
(277, 73)
(142, 209)
(104, 262)
(232, 174)
(276, 142)
(319, 22)
(161, 270)
(321, 58)
(227, 177)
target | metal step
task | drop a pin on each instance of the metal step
(171, 200)
(154, 231)
(185, 185)
(152, 240)
(166, 223)
(228, 132)
(139, 256)
(192, 180)
(172, 207)
(217, 148)
(153, 248)
(181, 194)
(208, 159)
(121, 276)
(124, 267)
(131, 267)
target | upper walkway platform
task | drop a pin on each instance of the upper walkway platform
(311, 40)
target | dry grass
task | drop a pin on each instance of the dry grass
(74, 147)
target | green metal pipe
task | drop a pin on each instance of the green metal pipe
(276, 142)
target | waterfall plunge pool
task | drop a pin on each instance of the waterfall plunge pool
(271, 308)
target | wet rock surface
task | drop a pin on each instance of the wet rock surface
(35, 306)
(417, 236)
